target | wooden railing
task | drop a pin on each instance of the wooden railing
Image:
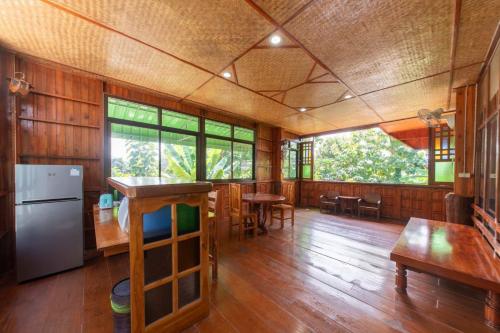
(398, 201)
(488, 227)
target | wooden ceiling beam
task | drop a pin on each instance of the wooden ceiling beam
(457, 8)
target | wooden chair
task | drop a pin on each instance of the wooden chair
(240, 218)
(214, 216)
(278, 211)
(329, 200)
(370, 202)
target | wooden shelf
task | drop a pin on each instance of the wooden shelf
(43, 93)
(54, 157)
(57, 122)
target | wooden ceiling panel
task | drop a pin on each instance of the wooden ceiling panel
(372, 45)
(325, 78)
(314, 94)
(273, 69)
(466, 75)
(478, 21)
(226, 96)
(405, 100)
(318, 71)
(348, 113)
(303, 123)
(209, 34)
(281, 10)
(49, 33)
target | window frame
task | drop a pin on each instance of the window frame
(286, 145)
(232, 140)
(200, 139)
(432, 156)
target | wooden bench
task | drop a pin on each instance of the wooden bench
(451, 251)
(109, 238)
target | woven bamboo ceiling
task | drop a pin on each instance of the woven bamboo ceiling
(348, 63)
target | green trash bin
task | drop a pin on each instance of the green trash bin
(120, 304)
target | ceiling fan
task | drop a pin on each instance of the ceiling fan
(430, 118)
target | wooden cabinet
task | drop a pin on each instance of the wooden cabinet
(168, 260)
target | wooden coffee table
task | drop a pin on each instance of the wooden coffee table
(452, 251)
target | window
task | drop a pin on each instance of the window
(134, 151)
(443, 139)
(290, 154)
(229, 151)
(148, 141)
(370, 156)
(306, 151)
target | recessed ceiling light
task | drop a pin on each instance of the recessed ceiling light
(275, 39)
(302, 109)
(227, 75)
(347, 96)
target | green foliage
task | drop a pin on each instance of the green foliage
(368, 156)
(141, 161)
(179, 162)
(218, 164)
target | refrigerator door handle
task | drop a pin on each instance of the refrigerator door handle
(32, 202)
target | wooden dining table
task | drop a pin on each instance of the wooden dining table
(261, 204)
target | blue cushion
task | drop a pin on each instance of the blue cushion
(158, 225)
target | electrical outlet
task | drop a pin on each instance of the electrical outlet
(464, 175)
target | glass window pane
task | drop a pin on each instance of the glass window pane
(217, 128)
(242, 160)
(306, 171)
(444, 172)
(286, 163)
(120, 109)
(445, 143)
(293, 145)
(243, 133)
(437, 143)
(218, 159)
(178, 156)
(134, 151)
(293, 164)
(180, 120)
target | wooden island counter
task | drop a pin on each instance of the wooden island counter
(168, 264)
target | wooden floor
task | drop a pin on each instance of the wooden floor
(327, 274)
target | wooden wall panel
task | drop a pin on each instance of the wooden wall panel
(398, 201)
(7, 104)
(464, 140)
(61, 122)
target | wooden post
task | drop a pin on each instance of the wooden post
(492, 309)
(401, 280)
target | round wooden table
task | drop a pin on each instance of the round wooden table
(261, 203)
